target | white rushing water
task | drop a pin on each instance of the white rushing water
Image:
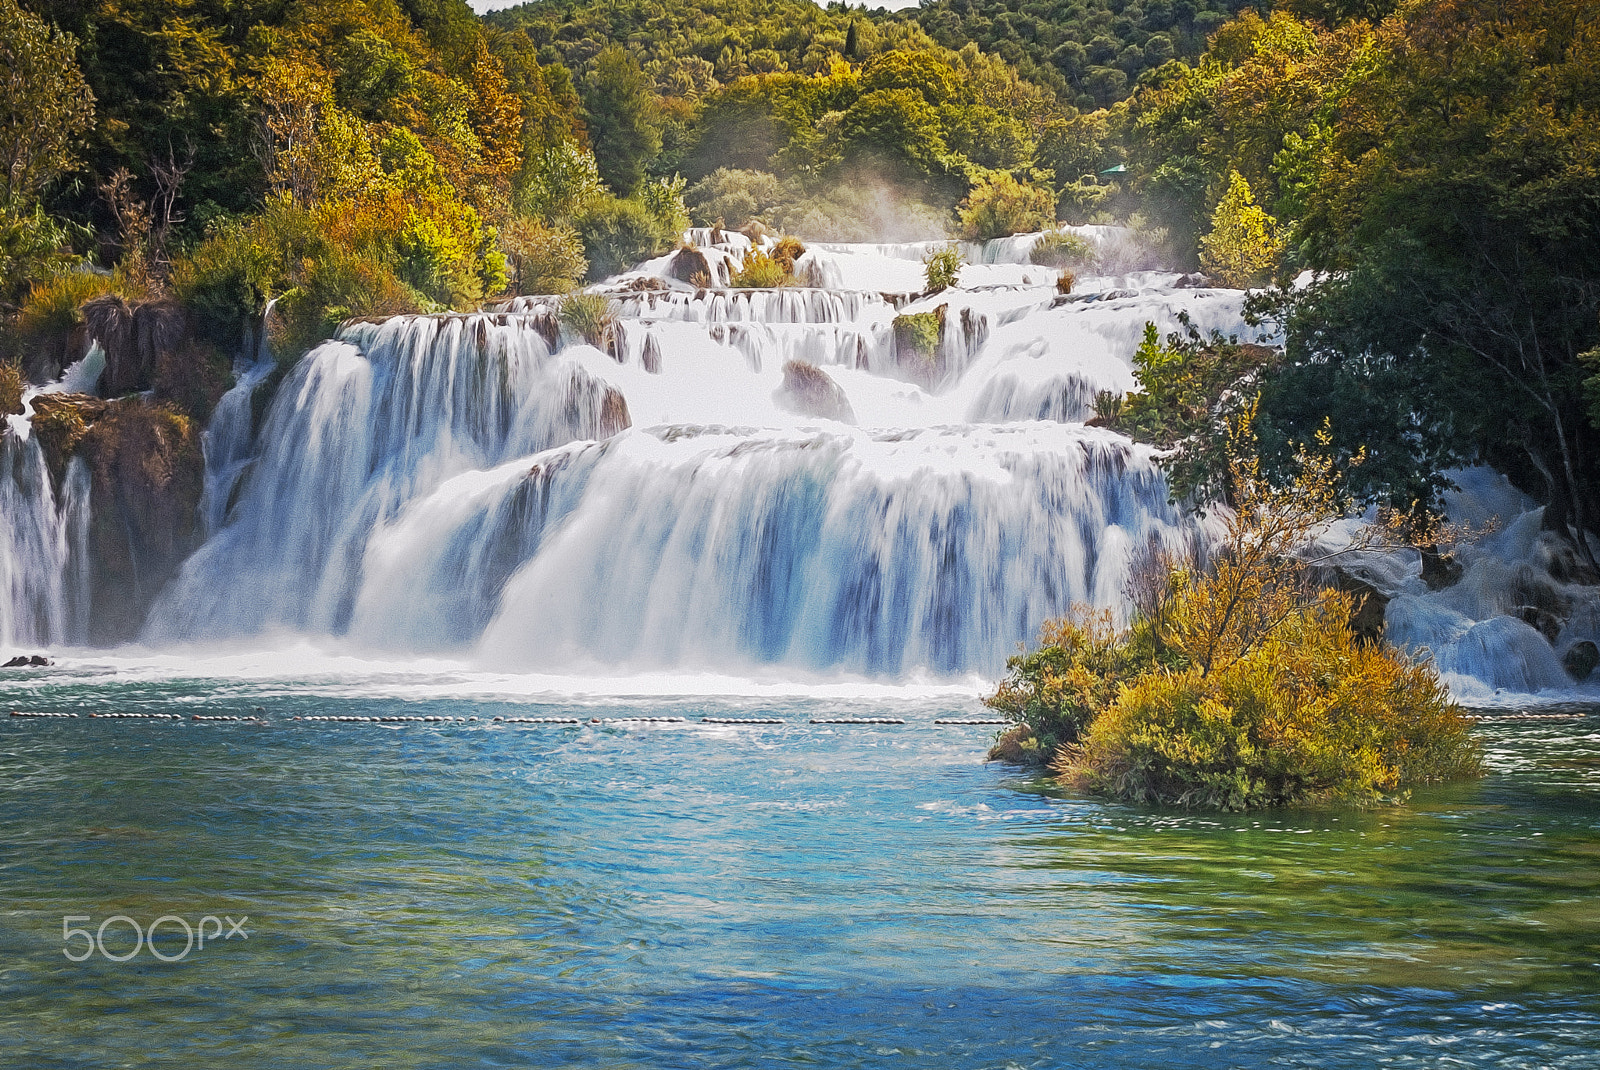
(457, 485)
(43, 541)
(491, 490)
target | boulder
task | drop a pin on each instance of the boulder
(810, 391)
(645, 284)
(1439, 570)
(1581, 659)
(1016, 746)
(919, 344)
(614, 417)
(690, 265)
(1367, 613)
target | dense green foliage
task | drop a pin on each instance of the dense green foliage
(1061, 249)
(1192, 389)
(1093, 51)
(942, 268)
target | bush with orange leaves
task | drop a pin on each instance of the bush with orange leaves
(1240, 684)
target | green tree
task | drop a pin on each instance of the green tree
(45, 104)
(1456, 218)
(1000, 205)
(624, 129)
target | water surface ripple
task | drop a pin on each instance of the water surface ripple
(682, 895)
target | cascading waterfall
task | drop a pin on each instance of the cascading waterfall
(43, 534)
(491, 487)
(709, 547)
(363, 425)
(459, 484)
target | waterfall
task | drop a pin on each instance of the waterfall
(685, 496)
(363, 425)
(43, 535)
(464, 483)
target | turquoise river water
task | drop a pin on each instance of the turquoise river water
(625, 894)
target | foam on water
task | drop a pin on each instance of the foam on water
(44, 534)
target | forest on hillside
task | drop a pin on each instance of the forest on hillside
(1434, 165)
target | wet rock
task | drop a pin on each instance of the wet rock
(651, 356)
(1193, 281)
(614, 417)
(39, 661)
(810, 391)
(60, 422)
(645, 283)
(1545, 622)
(1366, 614)
(147, 473)
(134, 336)
(1017, 746)
(1581, 659)
(919, 345)
(18, 662)
(691, 266)
(1439, 570)
(548, 327)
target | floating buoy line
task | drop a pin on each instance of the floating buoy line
(856, 720)
(1523, 716)
(261, 719)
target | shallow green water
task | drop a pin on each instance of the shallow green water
(635, 895)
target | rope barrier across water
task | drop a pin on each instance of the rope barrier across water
(437, 719)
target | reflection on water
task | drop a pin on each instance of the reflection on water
(685, 895)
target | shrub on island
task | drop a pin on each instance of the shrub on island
(761, 271)
(1238, 685)
(1061, 249)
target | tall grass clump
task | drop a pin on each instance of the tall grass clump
(1062, 249)
(10, 387)
(589, 317)
(760, 270)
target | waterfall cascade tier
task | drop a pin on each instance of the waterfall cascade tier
(43, 535)
(470, 484)
(732, 478)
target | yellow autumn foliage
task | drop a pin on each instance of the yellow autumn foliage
(1245, 245)
(1310, 714)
